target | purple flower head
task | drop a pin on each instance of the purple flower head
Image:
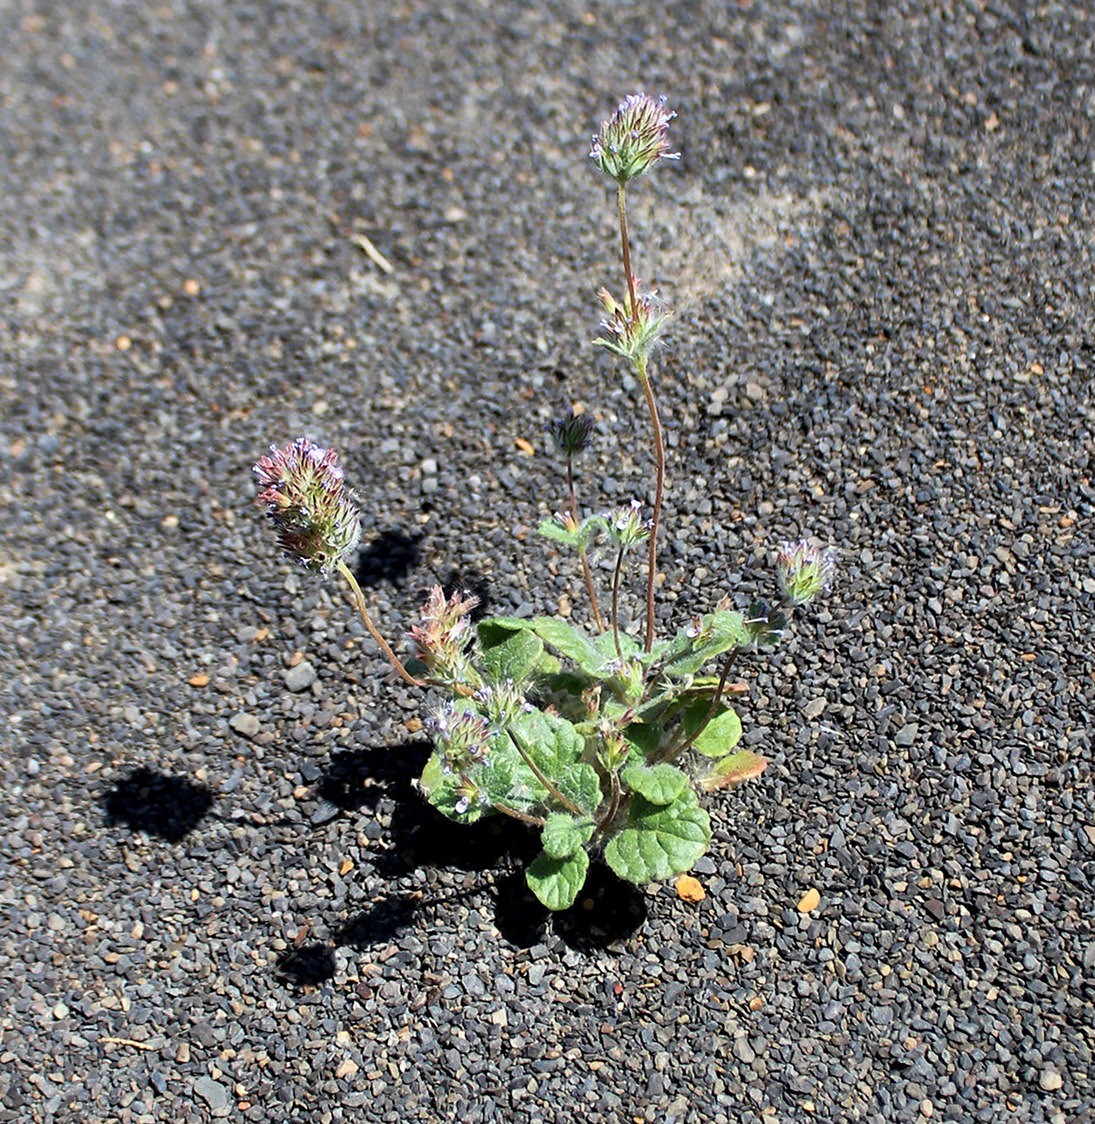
(463, 739)
(571, 434)
(804, 570)
(634, 138)
(305, 495)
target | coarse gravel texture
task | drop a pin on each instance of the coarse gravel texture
(222, 898)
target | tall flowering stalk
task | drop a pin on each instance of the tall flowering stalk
(631, 142)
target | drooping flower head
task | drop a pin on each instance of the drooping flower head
(305, 495)
(571, 434)
(804, 570)
(634, 138)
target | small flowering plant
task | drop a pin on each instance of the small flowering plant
(599, 740)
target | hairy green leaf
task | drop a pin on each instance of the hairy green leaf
(556, 882)
(580, 784)
(570, 642)
(660, 784)
(564, 834)
(719, 736)
(659, 841)
(508, 654)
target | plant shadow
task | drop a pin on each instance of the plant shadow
(157, 803)
(606, 912)
(390, 557)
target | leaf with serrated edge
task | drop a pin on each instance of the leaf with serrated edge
(556, 882)
(659, 841)
(580, 784)
(660, 784)
(563, 835)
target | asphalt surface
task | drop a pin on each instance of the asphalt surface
(220, 895)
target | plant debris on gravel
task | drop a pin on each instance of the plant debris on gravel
(221, 896)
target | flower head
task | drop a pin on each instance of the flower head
(463, 739)
(313, 511)
(631, 332)
(627, 526)
(571, 434)
(634, 138)
(444, 633)
(804, 570)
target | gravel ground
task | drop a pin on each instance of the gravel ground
(221, 897)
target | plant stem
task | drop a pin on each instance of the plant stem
(655, 422)
(625, 246)
(385, 647)
(570, 806)
(582, 553)
(659, 487)
(616, 603)
(712, 710)
(614, 802)
(513, 813)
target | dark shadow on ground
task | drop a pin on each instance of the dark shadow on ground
(308, 966)
(155, 802)
(418, 837)
(389, 557)
(470, 581)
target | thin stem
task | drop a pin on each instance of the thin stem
(582, 552)
(614, 802)
(385, 647)
(659, 488)
(712, 710)
(513, 813)
(616, 603)
(539, 774)
(625, 246)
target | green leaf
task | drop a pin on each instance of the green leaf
(563, 835)
(660, 784)
(569, 642)
(644, 737)
(719, 632)
(549, 739)
(579, 538)
(556, 882)
(719, 736)
(508, 654)
(659, 841)
(730, 771)
(580, 784)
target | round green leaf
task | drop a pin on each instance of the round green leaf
(556, 882)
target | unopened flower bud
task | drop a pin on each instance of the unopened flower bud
(571, 434)
(312, 510)
(634, 138)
